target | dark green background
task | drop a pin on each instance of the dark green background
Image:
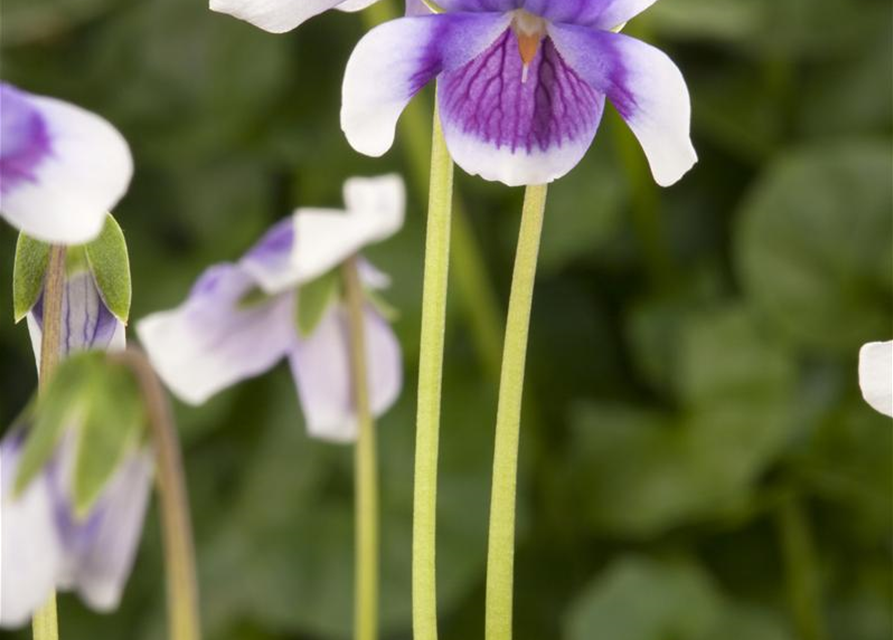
(697, 463)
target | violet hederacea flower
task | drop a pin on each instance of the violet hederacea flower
(521, 86)
(43, 544)
(62, 168)
(223, 333)
(876, 375)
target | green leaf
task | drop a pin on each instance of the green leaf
(110, 264)
(253, 298)
(313, 300)
(31, 260)
(110, 428)
(61, 405)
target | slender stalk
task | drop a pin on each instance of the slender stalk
(501, 550)
(45, 623)
(182, 585)
(801, 573)
(434, 299)
(366, 462)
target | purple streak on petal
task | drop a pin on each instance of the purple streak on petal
(275, 246)
(24, 139)
(488, 100)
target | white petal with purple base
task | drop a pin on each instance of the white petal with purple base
(876, 375)
(62, 168)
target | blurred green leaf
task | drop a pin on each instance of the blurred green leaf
(31, 260)
(110, 266)
(313, 300)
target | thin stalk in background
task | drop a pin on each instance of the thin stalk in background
(501, 547)
(434, 300)
(801, 573)
(477, 299)
(366, 466)
(45, 623)
(179, 553)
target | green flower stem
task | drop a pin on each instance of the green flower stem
(182, 585)
(434, 299)
(477, 298)
(366, 463)
(501, 549)
(804, 593)
(45, 623)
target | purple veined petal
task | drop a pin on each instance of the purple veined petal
(876, 375)
(599, 14)
(513, 124)
(279, 16)
(314, 241)
(214, 340)
(321, 367)
(396, 59)
(98, 553)
(62, 168)
(30, 553)
(86, 322)
(646, 88)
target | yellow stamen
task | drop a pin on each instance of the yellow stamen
(530, 31)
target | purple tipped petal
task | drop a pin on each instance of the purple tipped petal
(518, 126)
(321, 366)
(86, 321)
(30, 553)
(62, 169)
(644, 85)
(395, 60)
(271, 262)
(217, 338)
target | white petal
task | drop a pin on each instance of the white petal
(275, 16)
(321, 366)
(29, 549)
(876, 375)
(83, 176)
(355, 5)
(211, 341)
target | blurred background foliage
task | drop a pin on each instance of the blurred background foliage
(697, 463)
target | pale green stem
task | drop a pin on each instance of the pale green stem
(45, 623)
(179, 554)
(501, 549)
(474, 286)
(804, 593)
(366, 463)
(434, 299)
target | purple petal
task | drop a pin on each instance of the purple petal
(30, 553)
(86, 321)
(600, 14)
(518, 126)
(214, 340)
(321, 367)
(393, 61)
(62, 169)
(644, 85)
(271, 261)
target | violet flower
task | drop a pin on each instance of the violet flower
(876, 375)
(43, 545)
(62, 169)
(223, 334)
(521, 86)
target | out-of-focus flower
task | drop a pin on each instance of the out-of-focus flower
(45, 544)
(279, 16)
(62, 169)
(281, 300)
(876, 375)
(522, 86)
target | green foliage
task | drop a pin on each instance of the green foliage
(313, 300)
(110, 265)
(31, 260)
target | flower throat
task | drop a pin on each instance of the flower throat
(530, 31)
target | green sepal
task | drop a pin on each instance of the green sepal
(59, 406)
(75, 260)
(313, 300)
(31, 261)
(387, 311)
(110, 265)
(253, 298)
(110, 428)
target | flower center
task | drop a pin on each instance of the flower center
(530, 31)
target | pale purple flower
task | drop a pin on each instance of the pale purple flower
(220, 336)
(44, 546)
(876, 375)
(521, 86)
(62, 169)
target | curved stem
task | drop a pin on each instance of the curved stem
(366, 462)
(45, 623)
(434, 299)
(501, 549)
(182, 585)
